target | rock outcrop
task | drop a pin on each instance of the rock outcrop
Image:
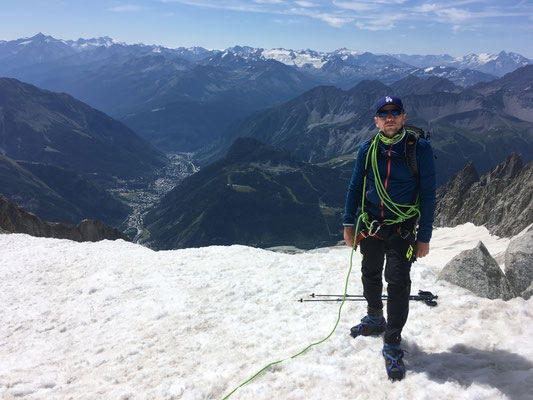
(453, 194)
(478, 272)
(93, 231)
(526, 294)
(15, 219)
(502, 199)
(519, 264)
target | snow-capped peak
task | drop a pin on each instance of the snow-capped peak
(347, 52)
(94, 42)
(298, 58)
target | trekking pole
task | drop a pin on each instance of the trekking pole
(339, 295)
(425, 296)
(421, 295)
(337, 300)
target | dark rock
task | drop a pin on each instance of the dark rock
(93, 231)
(509, 169)
(501, 200)
(478, 272)
(14, 219)
(526, 294)
(452, 195)
(519, 264)
(516, 206)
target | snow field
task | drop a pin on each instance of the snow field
(114, 320)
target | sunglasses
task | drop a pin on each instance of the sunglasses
(384, 114)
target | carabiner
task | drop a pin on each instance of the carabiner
(370, 233)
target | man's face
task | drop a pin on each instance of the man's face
(390, 125)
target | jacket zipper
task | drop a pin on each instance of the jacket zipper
(386, 180)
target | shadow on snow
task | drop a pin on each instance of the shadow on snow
(510, 373)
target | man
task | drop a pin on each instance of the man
(392, 201)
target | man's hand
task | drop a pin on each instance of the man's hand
(422, 249)
(349, 235)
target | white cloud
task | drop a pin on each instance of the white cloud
(388, 2)
(336, 20)
(286, 21)
(280, 7)
(426, 8)
(454, 15)
(355, 5)
(373, 26)
(458, 13)
(269, 1)
(305, 4)
(127, 8)
(370, 14)
(234, 5)
(381, 22)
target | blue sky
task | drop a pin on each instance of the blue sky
(455, 27)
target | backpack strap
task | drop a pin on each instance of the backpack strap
(410, 153)
(413, 134)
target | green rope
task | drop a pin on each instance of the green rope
(316, 343)
(401, 211)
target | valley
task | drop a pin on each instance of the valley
(141, 195)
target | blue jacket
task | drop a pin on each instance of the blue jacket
(398, 181)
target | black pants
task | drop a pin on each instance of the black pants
(396, 243)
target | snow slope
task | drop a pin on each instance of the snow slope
(114, 320)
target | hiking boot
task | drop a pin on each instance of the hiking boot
(369, 326)
(393, 362)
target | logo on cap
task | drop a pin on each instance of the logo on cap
(388, 99)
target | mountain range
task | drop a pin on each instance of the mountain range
(483, 123)
(42, 49)
(296, 109)
(183, 99)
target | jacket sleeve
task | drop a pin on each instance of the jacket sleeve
(355, 188)
(426, 168)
